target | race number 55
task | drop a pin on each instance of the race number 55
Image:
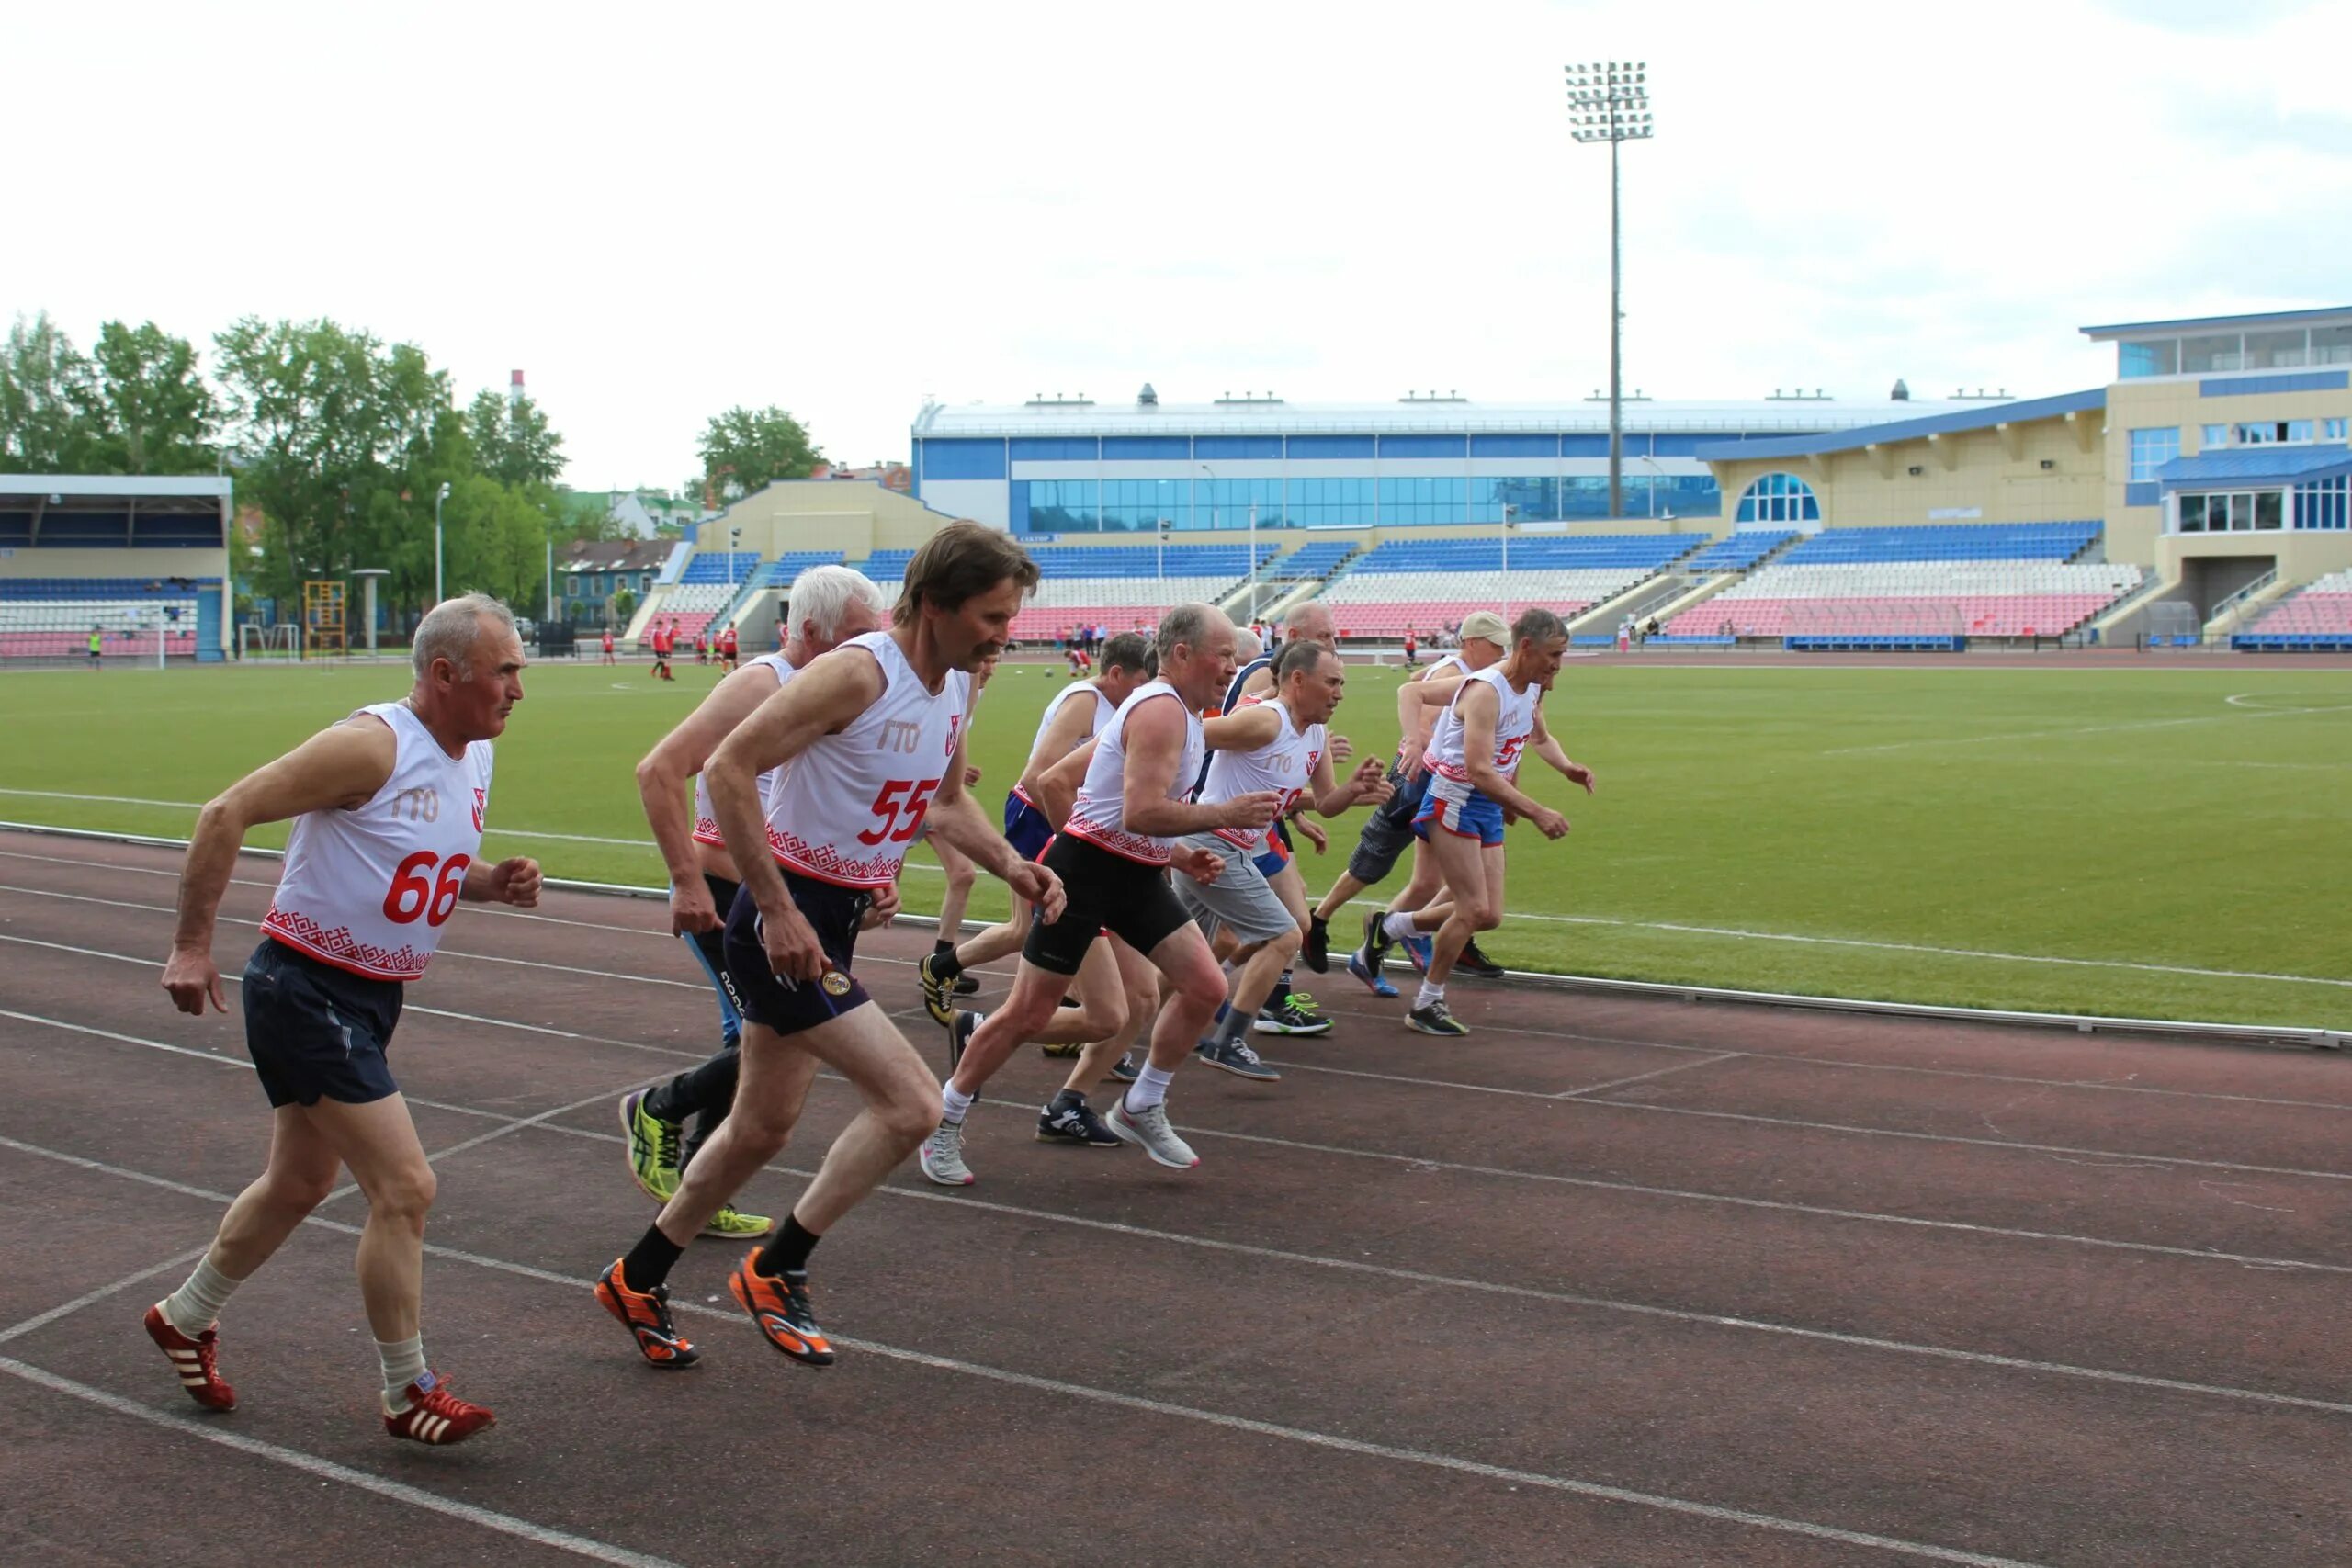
(416, 892)
(901, 800)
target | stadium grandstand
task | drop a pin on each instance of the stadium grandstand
(1426, 585)
(2317, 620)
(1912, 587)
(141, 560)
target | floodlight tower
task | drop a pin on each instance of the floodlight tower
(1609, 101)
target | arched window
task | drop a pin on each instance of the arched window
(1778, 498)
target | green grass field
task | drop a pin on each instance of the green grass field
(2154, 841)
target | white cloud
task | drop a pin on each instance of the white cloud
(843, 209)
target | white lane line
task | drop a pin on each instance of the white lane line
(1645, 1078)
(343, 1475)
(1091, 1395)
(499, 912)
(2123, 1155)
(1741, 933)
(406, 1007)
(1308, 1260)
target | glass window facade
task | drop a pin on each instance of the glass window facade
(1138, 506)
(2151, 449)
(1224, 503)
(1331, 503)
(2212, 435)
(2217, 351)
(2332, 429)
(2147, 358)
(1057, 506)
(1779, 498)
(2331, 345)
(2324, 505)
(2233, 512)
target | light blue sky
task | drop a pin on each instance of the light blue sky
(659, 213)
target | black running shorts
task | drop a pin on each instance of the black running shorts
(1106, 892)
(791, 1007)
(315, 1030)
(1388, 831)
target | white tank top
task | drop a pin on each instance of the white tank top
(1104, 709)
(370, 889)
(706, 820)
(1100, 813)
(846, 810)
(1513, 724)
(1286, 765)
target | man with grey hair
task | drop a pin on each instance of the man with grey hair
(827, 606)
(387, 808)
(1120, 807)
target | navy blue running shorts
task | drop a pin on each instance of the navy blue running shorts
(316, 1032)
(792, 1007)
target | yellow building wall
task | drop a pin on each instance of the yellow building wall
(2175, 402)
(2000, 474)
(853, 516)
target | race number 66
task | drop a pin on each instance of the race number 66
(417, 892)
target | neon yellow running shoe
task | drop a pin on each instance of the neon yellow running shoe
(652, 1148)
(729, 1224)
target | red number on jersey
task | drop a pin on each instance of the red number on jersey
(416, 895)
(889, 808)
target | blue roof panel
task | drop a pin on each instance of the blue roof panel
(2257, 465)
(1984, 418)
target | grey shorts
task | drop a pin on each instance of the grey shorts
(1239, 900)
(1388, 831)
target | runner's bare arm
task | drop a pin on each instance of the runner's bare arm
(1155, 742)
(340, 767)
(1547, 746)
(957, 820)
(1367, 785)
(663, 782)
(1056, 788)
(515, 880)
(1061, 737)
(1244, 730)
(1260, 682)
(1479, 708)
(821, 700)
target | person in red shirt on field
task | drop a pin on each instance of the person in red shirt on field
(727, 648)
(608, 657)
(1412, 648)
(662, 636)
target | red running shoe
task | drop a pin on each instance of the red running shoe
(779, 1304)
(646, 1314)
(193, 1359)
(436, 1415)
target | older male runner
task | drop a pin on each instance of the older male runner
(1488, 719)
(1277, 741)
(1077, 712)
(1390, 831)
(1113, 855)
(829, 605)
(388, 810)
(870, 743)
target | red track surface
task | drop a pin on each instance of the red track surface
(1611, 1281)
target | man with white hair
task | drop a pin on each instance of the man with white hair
(387, 808)
(826, 607)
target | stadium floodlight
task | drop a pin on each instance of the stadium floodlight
(437, 499)
(1609, 101)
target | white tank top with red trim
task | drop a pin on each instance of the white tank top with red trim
(706, 820)
(1104, 711)
(1286, 765)
(368, 889)
(1514, 722)
(846, 809)
(1099, 814)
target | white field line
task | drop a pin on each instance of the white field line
(1676, 928)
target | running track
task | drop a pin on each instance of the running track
(1613, 1281)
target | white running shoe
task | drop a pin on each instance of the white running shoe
(942, 1157)
(1150, 1130)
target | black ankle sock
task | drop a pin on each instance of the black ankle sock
(1065, 1100)
(944, 961)
(788, 1253)
(1281, 993)
(649, 1261)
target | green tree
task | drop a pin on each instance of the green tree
(622, 605)
(513, 440)
(347, 439)
(44, 392)
(146, 408)
(744, 450)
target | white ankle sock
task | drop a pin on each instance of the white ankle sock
(404, 1361)
(953, 1105)
(1429, 994)
(196, 1306)
(1149, 1088)
(1400, 925)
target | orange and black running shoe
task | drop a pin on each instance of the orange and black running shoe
(646, 1314)
(779, 1304)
